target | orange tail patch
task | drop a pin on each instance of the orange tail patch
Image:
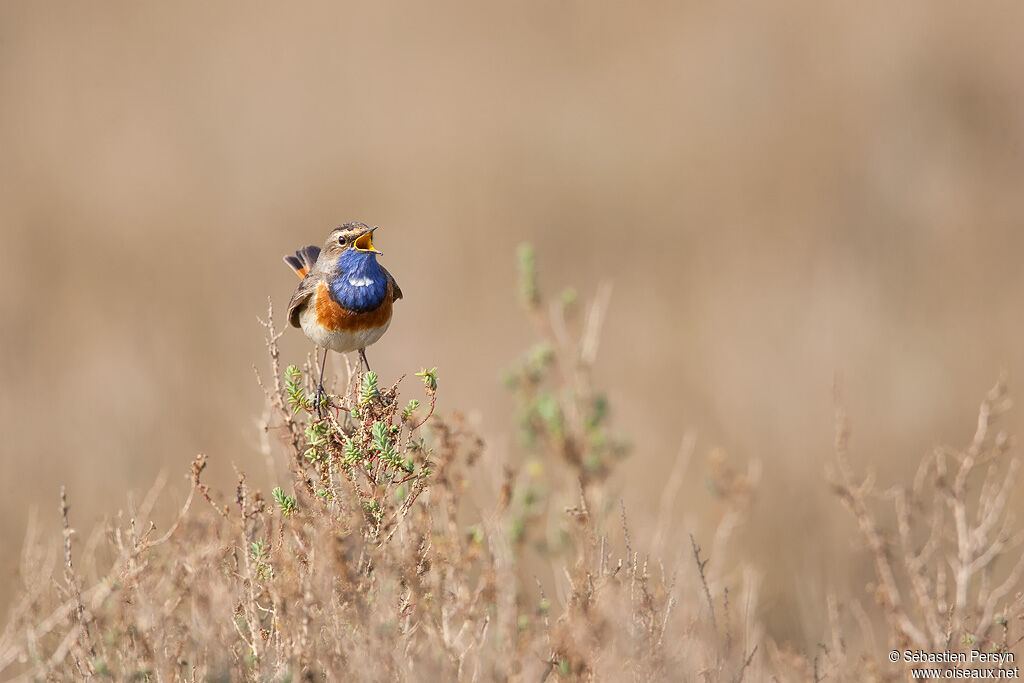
(303, 260)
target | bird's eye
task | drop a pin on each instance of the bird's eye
(342, 241)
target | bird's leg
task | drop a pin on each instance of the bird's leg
(321, 394)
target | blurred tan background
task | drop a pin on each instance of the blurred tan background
(778, 195)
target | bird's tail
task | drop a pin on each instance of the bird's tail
(303, 260)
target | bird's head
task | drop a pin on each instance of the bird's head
(355, 238)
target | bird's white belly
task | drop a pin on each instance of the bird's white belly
(341, 341)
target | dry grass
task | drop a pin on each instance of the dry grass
(374, 563)
(949, 577)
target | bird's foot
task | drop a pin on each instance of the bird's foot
(321, 401)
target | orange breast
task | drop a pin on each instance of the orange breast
(334, 317)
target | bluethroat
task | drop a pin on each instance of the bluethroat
(344, 301)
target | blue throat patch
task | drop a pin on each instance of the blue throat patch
(359, 283)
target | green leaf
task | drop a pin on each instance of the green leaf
(429, 378)
(383, 442)
(293, 387)
(369, 390)
(285, 502)
(410, 409)
(352, 452)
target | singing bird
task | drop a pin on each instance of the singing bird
(345, 298)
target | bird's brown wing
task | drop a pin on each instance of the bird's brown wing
(306, 289)
(302, 263)
(394, 285)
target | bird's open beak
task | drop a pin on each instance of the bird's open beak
(365, 241)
